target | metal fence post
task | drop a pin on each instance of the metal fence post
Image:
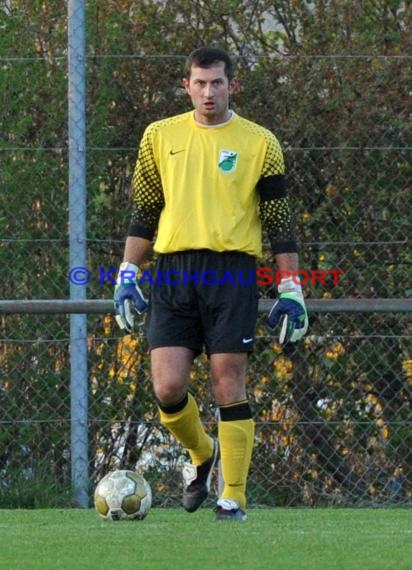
(77, 237)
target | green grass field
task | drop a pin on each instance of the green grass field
(172, 539)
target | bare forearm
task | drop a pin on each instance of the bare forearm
(135, 249)
(287, 261)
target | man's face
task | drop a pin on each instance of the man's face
(209, 89)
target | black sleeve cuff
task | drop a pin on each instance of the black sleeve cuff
(284, 247)
(136, 230)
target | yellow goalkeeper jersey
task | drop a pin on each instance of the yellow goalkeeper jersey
(197, 184)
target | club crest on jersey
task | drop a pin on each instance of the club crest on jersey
(227, 161)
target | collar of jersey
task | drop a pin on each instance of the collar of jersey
(232, 116)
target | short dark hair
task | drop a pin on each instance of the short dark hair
(208, 57)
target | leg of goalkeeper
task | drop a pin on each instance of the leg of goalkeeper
(180, 415)
(178, 410)
(235, 427)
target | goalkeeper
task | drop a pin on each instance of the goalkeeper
(206, 183)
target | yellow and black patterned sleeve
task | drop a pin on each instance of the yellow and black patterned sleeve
(275, 212)
(148, 194)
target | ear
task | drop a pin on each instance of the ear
(186, 84)
(233, 85)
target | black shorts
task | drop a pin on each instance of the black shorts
(203, 300)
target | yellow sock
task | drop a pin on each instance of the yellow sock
(236, 444)
(187, 428)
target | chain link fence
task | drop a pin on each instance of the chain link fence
(333, 414)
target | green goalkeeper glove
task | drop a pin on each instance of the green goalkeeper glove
(128, 298)
(290, 308)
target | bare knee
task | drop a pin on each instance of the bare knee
(169, 393)
(229, 377)
(170, 373)
(228, 391)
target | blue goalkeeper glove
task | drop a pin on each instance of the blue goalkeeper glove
(290, 309)
(128, 298)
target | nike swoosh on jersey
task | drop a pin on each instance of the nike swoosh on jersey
(173, 152)
(246, 340)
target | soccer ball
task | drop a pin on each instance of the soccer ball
(123, 495)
